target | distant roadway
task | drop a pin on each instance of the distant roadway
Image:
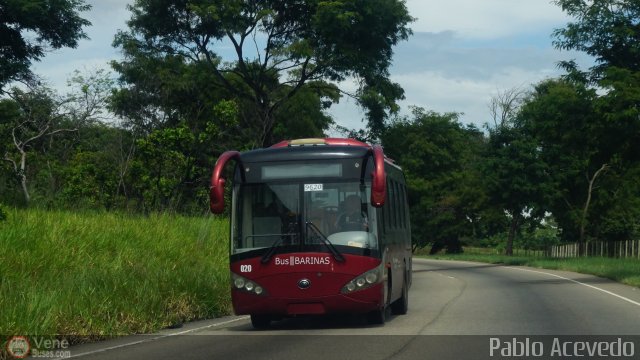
(447, 298)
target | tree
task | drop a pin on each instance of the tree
(504, 107)
(304, 115)
(515, 174)
(28, 28)
(37, 117)
(161, 94)
(164, 164)
(279, 47)
(568, 129)
(515, 178)
(39, 113)
(438, 154)
(608, 30)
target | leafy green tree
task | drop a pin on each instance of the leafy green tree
(94, 172)
(28, 28)
(165, 94)
(605, 29)
(617, 205)
(438, 154)
(163, 166)
(279, 47)
(515, 176)
(609, 136)
(609, 30)
(304, 115)
(562, 117)
(36, 118)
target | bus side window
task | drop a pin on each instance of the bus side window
(407, 219)
(386, 210)
(403, 200)
(394, 204)
(383, 219)
(398, 205)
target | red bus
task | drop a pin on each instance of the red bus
(318, 226)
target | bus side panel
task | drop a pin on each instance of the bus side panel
(394, 227)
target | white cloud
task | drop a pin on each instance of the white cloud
(483, 19)
(435, 91)
(445, 73)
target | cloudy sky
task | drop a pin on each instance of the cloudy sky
(461, 54)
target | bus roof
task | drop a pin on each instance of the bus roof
(302, 153)
(312, 149)
(320, 142)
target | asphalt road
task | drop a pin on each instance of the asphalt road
(457, 310)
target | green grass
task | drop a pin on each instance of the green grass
(103, 274)
(626, 271)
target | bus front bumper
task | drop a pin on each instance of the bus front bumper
(361, 301)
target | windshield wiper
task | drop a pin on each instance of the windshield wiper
(272, 250)
(336, 254)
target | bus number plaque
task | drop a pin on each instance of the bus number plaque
(312, 187)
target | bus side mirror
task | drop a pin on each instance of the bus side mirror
(378, 178)
(216, 192)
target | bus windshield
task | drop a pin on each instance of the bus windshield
(304, 214)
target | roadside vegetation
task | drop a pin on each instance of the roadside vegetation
(626, 271)
(102, 274)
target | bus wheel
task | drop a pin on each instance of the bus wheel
(260, 321)
(401, 306)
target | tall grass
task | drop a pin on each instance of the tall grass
(102, 274)
(626, 271)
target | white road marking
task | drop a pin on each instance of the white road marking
(158, 337)
(581, 283)
(447, 276)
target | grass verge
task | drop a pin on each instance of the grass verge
(626, 271)
(104, 274)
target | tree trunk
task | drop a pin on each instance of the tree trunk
(585, 210)
(23, 176)
(267, 118)
(512, 233)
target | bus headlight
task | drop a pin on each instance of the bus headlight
(246, 285)
(371, 277)
(364, 281)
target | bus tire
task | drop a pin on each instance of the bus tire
(260, 321)
(401, 306)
